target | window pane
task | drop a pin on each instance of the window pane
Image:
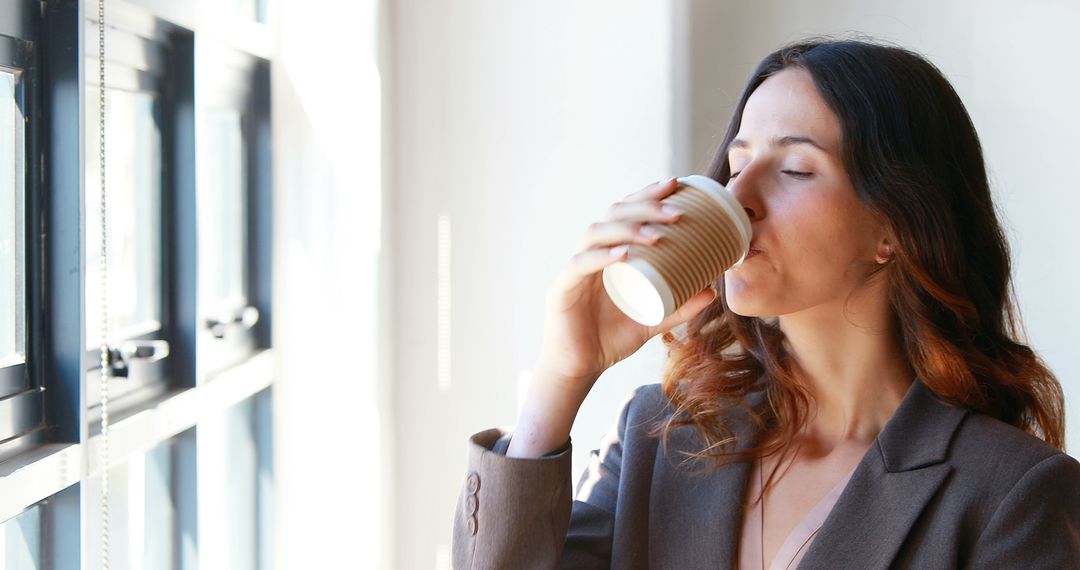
(142, 516)
(134, 178)
(222, 214)
(228, 478)
(12, 283)
(20, 540)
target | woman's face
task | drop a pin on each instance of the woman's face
(816, 242)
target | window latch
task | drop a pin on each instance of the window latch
(243, 319)
(134, 353)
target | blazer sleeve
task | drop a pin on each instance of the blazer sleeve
(511, 512)
(1037, 525)
(518, 513)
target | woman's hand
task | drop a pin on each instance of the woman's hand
(584, 332)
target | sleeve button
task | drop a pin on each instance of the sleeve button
(472, 525)
(470, 505)
(472, 484)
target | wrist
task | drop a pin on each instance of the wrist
(551, 405)
(553, 381)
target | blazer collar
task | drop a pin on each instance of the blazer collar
(891, 486)
(919, 432)
(892, 483)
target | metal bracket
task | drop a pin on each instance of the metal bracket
(243, 320)
(136, 352)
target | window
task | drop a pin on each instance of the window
(12, 242)
(52, 450)
(224, 221)
(21, 408)
(232, 206)
(20, 540)
(146, 528)
(228, 476)
(135, 169)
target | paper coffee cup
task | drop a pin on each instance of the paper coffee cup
(712, 235)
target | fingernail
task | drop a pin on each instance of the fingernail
(618, 250)
(649, 232)
(669, 210)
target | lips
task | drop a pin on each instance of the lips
(752, 252)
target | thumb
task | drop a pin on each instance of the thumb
(687, 311)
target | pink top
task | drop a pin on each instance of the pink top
(798, 541)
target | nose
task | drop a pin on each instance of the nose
(744, 189)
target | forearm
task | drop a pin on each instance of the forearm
(551, 405)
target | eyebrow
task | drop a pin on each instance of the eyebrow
(788, 140)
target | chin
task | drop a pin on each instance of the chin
(744, 307)
(740, 299)
(748, 311)
(748, 302)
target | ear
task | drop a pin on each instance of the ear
(884, 252)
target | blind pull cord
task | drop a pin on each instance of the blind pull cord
(103, 258)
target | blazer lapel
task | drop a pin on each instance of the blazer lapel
(890, 487)
(695, 518)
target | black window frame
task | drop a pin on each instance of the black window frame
(53, 464)
(154, 56)
(22, 413)
(241, 85)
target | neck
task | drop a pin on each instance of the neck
(852, 364)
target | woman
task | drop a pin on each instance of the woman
(857, 396)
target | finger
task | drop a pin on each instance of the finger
(643, 211)
(590, 261)
(655, 191)
(687, 311)
(610, 234)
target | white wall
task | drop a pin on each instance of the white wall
(521, 121)
(329, 426)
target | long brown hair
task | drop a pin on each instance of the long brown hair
(915, 161)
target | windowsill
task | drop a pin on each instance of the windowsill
(39, 473)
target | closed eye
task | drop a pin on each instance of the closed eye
(792, 173)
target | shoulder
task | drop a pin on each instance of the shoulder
(648, 399)
(1025, 494)
(642, 408)
(651, 399)
(1005, 456)
(984, 439)
(648, 406)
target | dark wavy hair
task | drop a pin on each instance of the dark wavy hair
(914, 158)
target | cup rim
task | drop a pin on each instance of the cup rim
(729, 203)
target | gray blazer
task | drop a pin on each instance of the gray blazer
(940, 488)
